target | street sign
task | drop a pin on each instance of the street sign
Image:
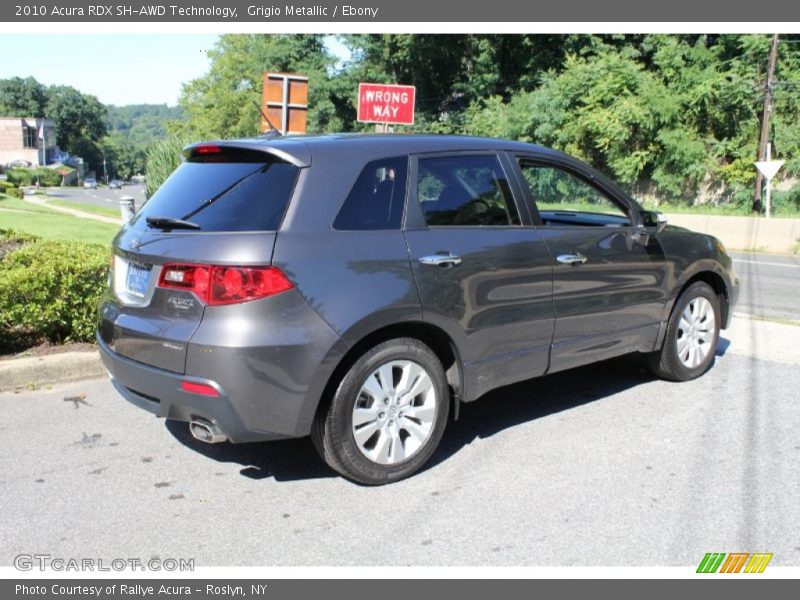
(384, 103)
(769, 168)
(284, 103)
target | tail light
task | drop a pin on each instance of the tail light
(215, 284)
(207, 149)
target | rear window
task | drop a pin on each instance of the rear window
(224, 196)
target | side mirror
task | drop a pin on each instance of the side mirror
(654, 221)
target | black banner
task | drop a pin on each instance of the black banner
(416, 11)
(385, 589)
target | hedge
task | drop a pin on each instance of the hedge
(49, 290)
(47, 177)
(6, 187)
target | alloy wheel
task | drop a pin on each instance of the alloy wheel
(395, 412)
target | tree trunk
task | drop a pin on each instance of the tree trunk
(764, 137)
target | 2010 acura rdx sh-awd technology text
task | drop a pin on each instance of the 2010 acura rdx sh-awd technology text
(359, 288)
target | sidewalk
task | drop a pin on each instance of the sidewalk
(35, 371)
(71, 211)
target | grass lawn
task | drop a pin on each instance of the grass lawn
(90, 208)
(17, 204)
(53, 225)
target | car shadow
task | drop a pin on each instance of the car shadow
(500, 409)
(537, 398)
(283, 460)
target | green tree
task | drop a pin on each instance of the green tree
(225, 102)
(79, 118)
(22, 97)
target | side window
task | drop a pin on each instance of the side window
(565, 199)
(377, 198)
(465, 190)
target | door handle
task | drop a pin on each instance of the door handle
(441, 260)
(571, 259)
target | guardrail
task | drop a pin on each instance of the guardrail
(745, 233)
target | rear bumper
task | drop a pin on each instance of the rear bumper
(159, 392)
(269, 360)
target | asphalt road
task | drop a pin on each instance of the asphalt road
(601, 465)
(770, 284)
(102, 196)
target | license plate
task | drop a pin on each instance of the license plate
(138, 277)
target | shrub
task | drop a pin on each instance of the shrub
(788, 202)
(47, 177)
(163, 157)
(11, 191)
(49, 290)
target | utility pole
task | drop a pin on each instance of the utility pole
(764, 138)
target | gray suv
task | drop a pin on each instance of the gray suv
(360, 288)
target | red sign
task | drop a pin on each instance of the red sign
(383, 103)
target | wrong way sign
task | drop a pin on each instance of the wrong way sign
(385, 103)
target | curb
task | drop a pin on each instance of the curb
(35, 371)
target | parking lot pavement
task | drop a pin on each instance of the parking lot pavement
(601, 465)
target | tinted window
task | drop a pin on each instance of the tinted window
(377, 198)
(565, 199)
(224, 196)
(465, 190)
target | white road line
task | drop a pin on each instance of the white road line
(769, 264)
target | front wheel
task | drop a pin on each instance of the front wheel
(691, 338)
(388, 414)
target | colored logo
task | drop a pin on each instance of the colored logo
(734, 562)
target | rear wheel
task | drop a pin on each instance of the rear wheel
(691, 338)
(388, 414)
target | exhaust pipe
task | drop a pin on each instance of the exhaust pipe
(206, 431)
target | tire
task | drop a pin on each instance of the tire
(374, 433)
(690, 341)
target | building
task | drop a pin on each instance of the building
(19, 140)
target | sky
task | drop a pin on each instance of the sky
(119, 69)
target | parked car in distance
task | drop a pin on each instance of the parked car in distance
(115, 184)
(90, 183)
(359, 289)
(58, 157)
(18, 164)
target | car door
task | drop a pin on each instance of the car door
(608, 286)
(482, 270)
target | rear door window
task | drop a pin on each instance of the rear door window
(465, 191)
(224, 196)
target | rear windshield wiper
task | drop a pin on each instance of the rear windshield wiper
(170, 223)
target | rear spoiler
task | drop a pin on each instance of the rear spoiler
(294, 152)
